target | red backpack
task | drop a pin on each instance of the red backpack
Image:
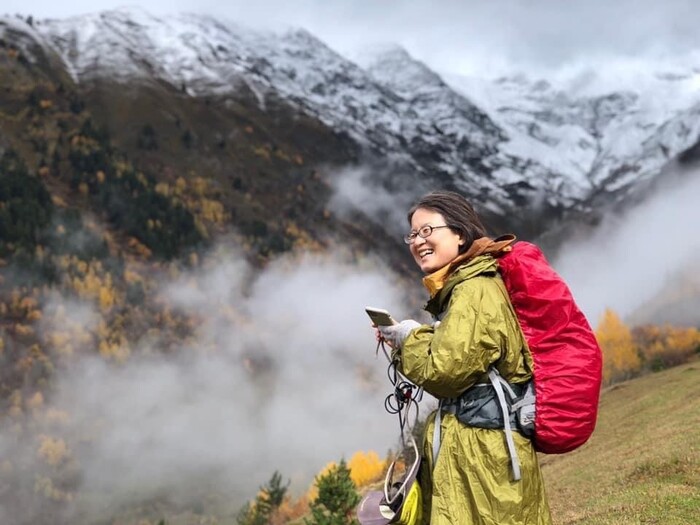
(568, 360)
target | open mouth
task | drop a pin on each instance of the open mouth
(422, 254)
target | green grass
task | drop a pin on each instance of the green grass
(642, 465)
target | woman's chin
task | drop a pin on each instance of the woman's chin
(427, 268)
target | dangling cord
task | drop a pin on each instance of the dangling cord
(399, 402)
(380, 344)
(404, 395)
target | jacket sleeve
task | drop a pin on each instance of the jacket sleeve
(454, 355)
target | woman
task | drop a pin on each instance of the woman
(471, 480)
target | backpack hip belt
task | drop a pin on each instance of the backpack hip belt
(479, 407)
(494, 405)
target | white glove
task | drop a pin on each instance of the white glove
(396, 334)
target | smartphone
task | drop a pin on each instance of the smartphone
(379, 316)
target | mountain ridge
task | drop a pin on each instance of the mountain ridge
(533, 158)
(536, 145)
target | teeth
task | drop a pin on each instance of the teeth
(424, 253)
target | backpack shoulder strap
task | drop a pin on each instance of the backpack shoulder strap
(498, 385)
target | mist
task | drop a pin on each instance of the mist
(280, 374)
(635, 256)
(355, 190)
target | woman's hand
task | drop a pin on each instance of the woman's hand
(396, 334)
(377, 333)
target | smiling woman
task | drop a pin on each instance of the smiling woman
(464, 476)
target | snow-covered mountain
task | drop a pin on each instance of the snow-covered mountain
(511, 143)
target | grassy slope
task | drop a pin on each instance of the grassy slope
(642, 465)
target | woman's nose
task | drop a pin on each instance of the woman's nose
(419, 241)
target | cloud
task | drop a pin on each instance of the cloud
(355, 191)
(279, 373)
(634, 257)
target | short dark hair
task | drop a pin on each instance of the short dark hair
(458, 213)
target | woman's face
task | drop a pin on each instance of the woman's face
(438, 248)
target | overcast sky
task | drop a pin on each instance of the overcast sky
(466, 36)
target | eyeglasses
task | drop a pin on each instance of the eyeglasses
(423, 232)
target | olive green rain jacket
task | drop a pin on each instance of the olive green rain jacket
(471, 483)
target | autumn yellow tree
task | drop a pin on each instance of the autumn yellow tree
(620, 357)
(665, 346)
(365, 467)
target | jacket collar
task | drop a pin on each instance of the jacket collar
(467, 265)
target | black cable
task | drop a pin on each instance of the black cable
(405, 393)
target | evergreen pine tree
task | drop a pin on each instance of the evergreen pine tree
(268, 500)
(337, 498)
(275, 490)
